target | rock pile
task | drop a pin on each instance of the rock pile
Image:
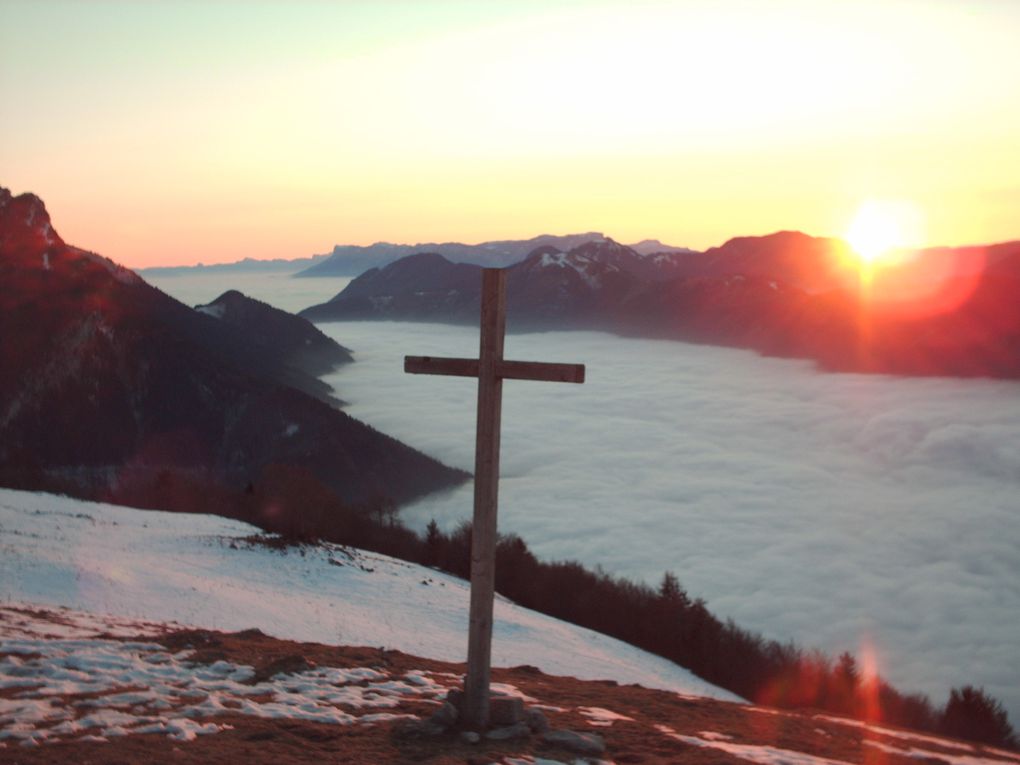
(509, 720)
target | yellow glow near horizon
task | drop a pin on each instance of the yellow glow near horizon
(881, 226)
(161, 133)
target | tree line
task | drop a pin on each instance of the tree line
(667, 621)
(664, 620)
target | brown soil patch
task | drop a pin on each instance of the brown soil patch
(256, 741)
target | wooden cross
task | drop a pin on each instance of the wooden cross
(491, 369)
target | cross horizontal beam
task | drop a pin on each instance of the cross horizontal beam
(507, 370)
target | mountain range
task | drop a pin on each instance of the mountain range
(111, 389)
(351, 260)
(786, 294)
(246, 265)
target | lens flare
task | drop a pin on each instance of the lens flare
(868, 698)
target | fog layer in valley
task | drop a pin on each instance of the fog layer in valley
(278, 289)
(847, 512)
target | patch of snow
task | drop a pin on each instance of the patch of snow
(384, 717)
(46, 261)
(709, 735)
(197, 569)
(216, 311)
(170, 694)
(505, 689)
(903, 734)
(768, 711)
(1002, 753)
(929, 754)
(180, 728)
(25, 621)
(602, 718)
(579, 263)
(758, 753)
(558, 259)
(291, 429)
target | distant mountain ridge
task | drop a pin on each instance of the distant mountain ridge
(113, 390)
(785, 294)
(654, 246)
(245, 265)
(352, 260)
(550, 287)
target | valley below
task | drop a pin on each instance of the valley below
(866, 513)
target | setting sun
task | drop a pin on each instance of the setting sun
(880, 226)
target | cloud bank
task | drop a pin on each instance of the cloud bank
(836, 510)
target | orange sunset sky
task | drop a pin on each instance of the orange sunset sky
(163, 133)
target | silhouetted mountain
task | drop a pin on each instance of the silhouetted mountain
(295, 341)
(108, 387)
(244, 266)
(549, 287)
(421, 287)
(655, 247)
(572, 289)
(787, 294)
(797, 296)
(819, 264)
(996, 259)
(812, 263)
(352, 260)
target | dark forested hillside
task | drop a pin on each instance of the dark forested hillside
(295, 341)
(110, 389)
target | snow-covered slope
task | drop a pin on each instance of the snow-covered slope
(204, 571)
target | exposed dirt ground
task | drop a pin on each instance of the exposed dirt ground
(646, 738)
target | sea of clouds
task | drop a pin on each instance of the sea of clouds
(841, 511)
(847, 512)
(280, 290)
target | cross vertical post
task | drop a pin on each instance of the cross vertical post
(483, 529)
(491, 369)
